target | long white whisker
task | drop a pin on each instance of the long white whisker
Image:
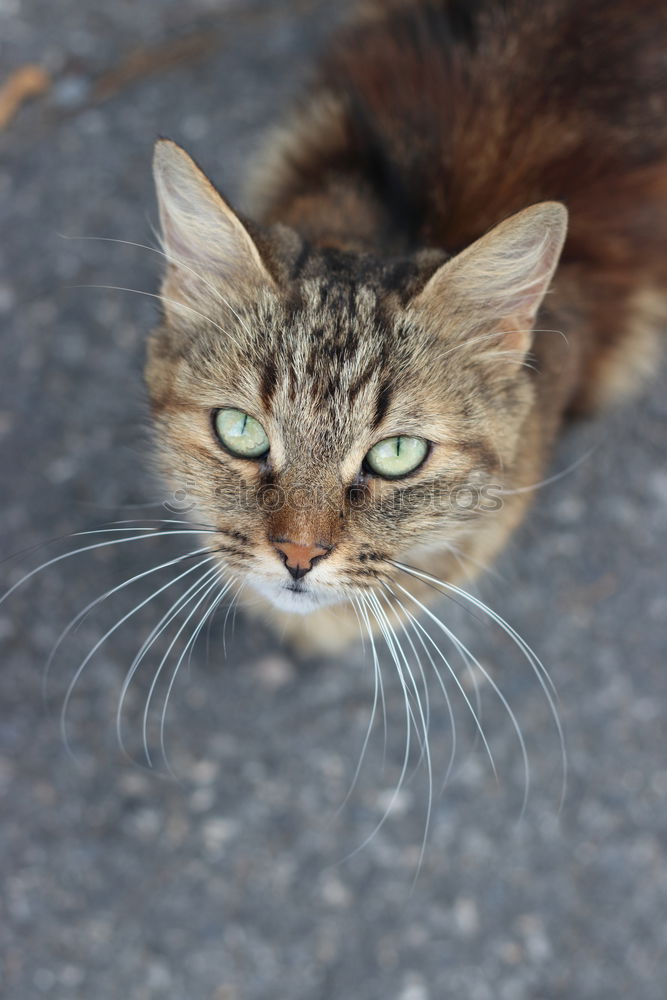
(369, 727)
(163, 298)
(173, 259)
(466, 663)
(237, 605)
(189, 646)
(232, 607)
(448, 703)
(499, 694)
(418, 625)
(152, 524)
(154, 634)
(550, 479)
(377, 612)
(460, 556)
(88, 548)
(373, 606)
(398, 656)
(103, 597)
(363, 608)
(427, 712)
(57, 538)
(203, 584)
(538, 668)
(107, 634)
(413, 622)
(426, 749)
(215, 603)
(355, 608)
(492, 336)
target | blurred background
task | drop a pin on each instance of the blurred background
(240, 877)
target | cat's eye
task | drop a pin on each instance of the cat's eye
(240, 433)
(396, 456)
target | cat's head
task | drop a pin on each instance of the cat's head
(328, 412)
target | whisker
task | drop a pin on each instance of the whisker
(355, 608)
(89, 656)
(493, 336)
(411, 620)
(397, 655)
(418, 625)
(232, 607)
(157, 522)
(448, 703)
(103, 597)
(538, 668)
(369, 728)
(71, 534)
(460, 556)
(363, 608)
(419, 628)
(551, 479)
(466, 663)
(408, 639)
(388, 636)
(153, 636)
(189, 646)
(426, 750)
(214, 604)
(236, 606)
(173, 259)
(88, 548)
(373, 606)
(499, 694)
(163, 298)
(204, 583)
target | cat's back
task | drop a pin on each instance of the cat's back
(434, 119)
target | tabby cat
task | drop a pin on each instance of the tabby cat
(360, 388)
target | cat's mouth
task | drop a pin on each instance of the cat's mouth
(296, 595)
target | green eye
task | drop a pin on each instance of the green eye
(397, 456)
(240, 433)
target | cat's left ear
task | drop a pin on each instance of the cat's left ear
(498, 281)
(204, 241)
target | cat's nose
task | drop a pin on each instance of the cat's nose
(299, 559)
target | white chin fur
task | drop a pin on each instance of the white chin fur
(301, 602)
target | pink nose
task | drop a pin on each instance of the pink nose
(299, 559)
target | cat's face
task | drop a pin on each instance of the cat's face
(327, 413)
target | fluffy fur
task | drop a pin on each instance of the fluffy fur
(411, 221)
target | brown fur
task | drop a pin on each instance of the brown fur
(438, 119)
(342, 319)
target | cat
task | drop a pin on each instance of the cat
(408, 320)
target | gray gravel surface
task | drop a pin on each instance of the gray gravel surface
(241, 878)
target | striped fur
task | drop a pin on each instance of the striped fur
(367, 301)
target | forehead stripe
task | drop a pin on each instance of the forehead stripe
(268, 382)
(382, 403)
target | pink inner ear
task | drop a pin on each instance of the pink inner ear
(499, 281)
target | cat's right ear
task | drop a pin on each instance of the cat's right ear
(204, 242)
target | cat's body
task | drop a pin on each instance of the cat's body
(437, 119)
(341, 322)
